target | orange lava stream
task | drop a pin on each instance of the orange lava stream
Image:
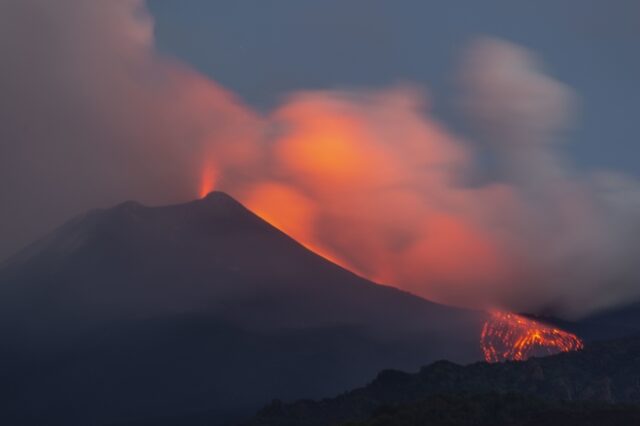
(510, 337)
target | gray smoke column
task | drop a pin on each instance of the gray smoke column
(573, 229)
(519, 109)
(94, 115)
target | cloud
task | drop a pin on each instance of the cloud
(369, 178)
(375, 183)
(570, 226)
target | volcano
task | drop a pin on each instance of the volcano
(135, 313)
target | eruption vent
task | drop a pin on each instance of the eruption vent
(510, 337)
(207, 181)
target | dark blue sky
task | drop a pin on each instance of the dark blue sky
(263, 49)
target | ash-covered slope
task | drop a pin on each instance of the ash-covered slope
(604, 372)
(143, 312)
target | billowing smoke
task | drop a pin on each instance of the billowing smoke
(92, 115)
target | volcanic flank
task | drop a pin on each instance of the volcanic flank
(159, 311)
(210, 255)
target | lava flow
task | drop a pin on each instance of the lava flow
(510, 337)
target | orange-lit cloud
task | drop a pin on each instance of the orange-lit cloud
(283, 207)
(370, 183)
(367, 178)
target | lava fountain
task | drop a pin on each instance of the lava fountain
(510, 337)
(207, 181)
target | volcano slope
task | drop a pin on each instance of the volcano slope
(135, 313)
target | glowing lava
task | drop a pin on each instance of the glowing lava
(207, 181)
(510, 337)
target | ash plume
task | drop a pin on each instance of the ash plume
(368, 178)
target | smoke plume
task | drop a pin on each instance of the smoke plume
(93, 115)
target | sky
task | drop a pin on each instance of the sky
(475, 153)
(263, 50)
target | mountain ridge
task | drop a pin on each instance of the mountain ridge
(605, 372)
